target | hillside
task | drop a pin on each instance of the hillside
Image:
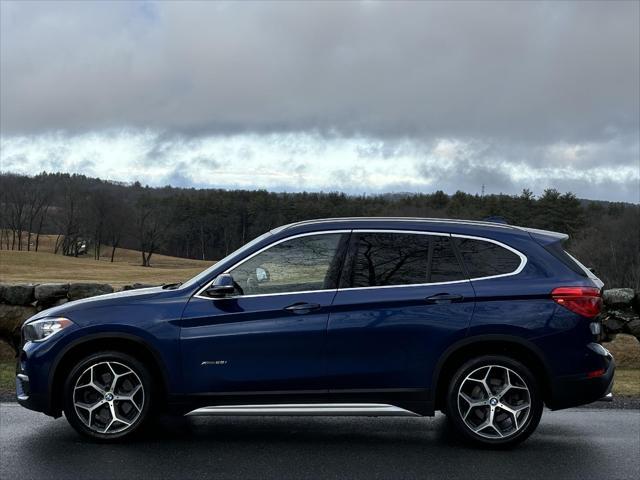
(44, 266)
(206, 223)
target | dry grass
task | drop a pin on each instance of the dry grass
(627, 382)
(7, 378)
(626, 351)
(44, 266)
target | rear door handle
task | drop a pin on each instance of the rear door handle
(302, 307)
(444, 298)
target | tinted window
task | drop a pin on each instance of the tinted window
(444, 264)
(390, 259)
(557, 251)
(484, 259)
(300, 264)
(384, 259)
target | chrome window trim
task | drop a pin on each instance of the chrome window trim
(523, 257)
(408, 285)
(523, 262)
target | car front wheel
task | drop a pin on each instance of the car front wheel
(494, 401)
(107, 395)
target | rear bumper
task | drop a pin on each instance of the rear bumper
(575, 390)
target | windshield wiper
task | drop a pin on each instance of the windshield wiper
(171, 286)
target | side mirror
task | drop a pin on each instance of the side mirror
(221, 286)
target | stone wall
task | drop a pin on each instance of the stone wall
(20, 301)
(621, 312)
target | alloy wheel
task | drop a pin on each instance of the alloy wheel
(108, 397)
(494, 402)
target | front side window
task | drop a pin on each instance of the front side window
(486, 259)
(388, 259)
(301, 264)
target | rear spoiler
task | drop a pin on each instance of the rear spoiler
(546, 237)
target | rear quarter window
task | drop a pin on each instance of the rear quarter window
(486, 259)
(557, 251)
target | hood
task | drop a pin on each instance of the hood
(117, 298)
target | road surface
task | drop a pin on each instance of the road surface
(579, 443)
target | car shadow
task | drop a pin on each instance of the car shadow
(310, 447)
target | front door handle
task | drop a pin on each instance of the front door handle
(444, 298)
(302, 307)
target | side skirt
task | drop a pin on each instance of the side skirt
(319, 409)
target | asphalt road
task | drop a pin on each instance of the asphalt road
(580, 443)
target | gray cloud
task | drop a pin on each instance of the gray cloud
(526, 93)
(204, 161)
(540, 72)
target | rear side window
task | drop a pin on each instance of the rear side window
(485, 259)
(557, 251)
(387, 259)
(444, 263)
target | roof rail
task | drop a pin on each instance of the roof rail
(399, 219)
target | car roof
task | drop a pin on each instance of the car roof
(448, 225)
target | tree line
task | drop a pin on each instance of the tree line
(91, 215)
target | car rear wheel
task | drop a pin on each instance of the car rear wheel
(494, 401)
(108, 395)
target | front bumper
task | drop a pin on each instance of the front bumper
(23, 388)
(574, 390)
(26, 395)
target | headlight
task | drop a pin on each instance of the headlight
(44, 328)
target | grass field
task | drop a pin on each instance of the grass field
(627, 382)
(44, 266)
(626, 350)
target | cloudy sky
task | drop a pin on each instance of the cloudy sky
(362, 97)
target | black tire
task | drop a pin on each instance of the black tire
(505, 428)
(131, 414)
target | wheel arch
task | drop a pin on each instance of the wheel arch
(121, 342)
(507, 345)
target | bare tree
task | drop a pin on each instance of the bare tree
(99, 206)
(4, 211)
(70, 221)
(43, 215)
(15, 201)
(38, 198)
(149, 228)
(115, 223)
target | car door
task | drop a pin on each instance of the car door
(403, 298)
(269, 335)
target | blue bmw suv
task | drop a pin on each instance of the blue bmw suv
(485, 322)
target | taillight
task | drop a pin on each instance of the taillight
(595, 373)
(585, 301)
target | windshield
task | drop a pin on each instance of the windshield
(204, 274)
